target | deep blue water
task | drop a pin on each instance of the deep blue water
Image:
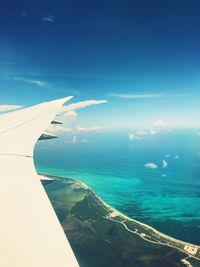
(114, 167)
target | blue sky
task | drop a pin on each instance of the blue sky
(141, 56)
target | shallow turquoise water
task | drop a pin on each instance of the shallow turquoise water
(114, 167)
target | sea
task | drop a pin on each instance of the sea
(153, 178)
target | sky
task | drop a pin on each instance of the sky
(142, 57)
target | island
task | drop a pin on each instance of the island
(102, 236)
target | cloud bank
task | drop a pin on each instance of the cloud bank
(89, 129)
(58, 129)
(132, 137)
(71, 114)
(83, 104)
(159, 124)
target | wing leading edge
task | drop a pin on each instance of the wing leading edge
(30, 233)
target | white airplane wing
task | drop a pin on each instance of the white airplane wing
(30, 233)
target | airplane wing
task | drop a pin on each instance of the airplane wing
(30, 233)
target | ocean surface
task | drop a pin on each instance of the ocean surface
(153, 179)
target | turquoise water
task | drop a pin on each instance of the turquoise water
(114, 167)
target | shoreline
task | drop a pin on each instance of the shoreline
(118, 213)
(113, 212)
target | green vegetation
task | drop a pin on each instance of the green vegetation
(96, 239)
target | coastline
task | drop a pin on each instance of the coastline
(156, 236)
(118, 213)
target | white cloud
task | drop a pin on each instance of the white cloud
(89, 129)
(141, 132)
(48, 18)
(4, 108)
(159, 124)
(196, 126)
(83, 104)
(74, 139)
(153, 132)
(38, 83)
(31, 81)
(133, 137)
(59, 129)
(64, 130)
(151, 165)
(165, 164)
(143, 96)
(71, 114)
(84, 141)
